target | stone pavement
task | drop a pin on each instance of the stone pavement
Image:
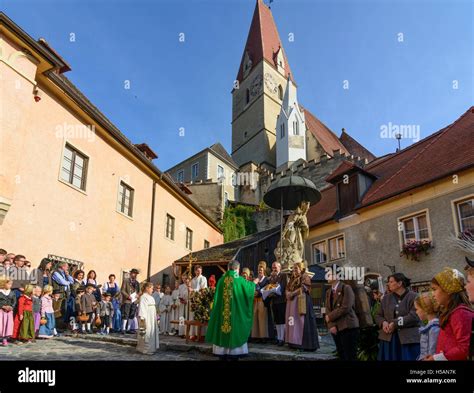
(76, 348)
(122, 347)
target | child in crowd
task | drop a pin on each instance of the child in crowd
(78, 308)
(7, 304)
(48, 329)
(427, 309)
(24, 326)
(37, 308)
(57, 308)
(106, 312)
(455, 318)
(88, 307)
(165, 311)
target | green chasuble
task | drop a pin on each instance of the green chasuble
(232, 312)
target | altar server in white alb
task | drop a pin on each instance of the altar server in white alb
(183, 295)
(197, 283)
(165, 311)
(148, 335)
(174, 307)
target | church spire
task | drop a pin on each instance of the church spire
(263, 43)
(290, 129)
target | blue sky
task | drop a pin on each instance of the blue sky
(175, 84)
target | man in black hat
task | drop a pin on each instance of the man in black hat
(129, 290)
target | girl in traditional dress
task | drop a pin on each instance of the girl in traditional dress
(7, 304)
(260, 314)
(148, 336)
(47, 330)
(427, 309)
(24, 327)
(112, 287)
(37, 290)
(300, 325)
(455, 318)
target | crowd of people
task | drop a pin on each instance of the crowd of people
(434, 325)
(276, 307)
(437, 324)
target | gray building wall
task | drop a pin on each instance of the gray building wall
(376, 243)
(186, 167)
(210, 197)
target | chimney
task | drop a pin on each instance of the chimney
(146, 150)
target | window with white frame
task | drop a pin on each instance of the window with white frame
(195, 170)
(74, 167)
(226, 198)
(220, 172)
(180, 176)
(125, 199)
(189, 239)
(415, 228)
(465, 213)
(337, 248)
(320, 252)
(170, 227)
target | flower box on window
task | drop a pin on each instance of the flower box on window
(414, 248)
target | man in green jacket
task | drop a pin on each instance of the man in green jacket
(232, 314)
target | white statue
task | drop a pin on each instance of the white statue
(294, 235)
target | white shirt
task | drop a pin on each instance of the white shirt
(199, 282)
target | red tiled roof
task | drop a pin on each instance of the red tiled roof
(354, 147)
(327, 139)
(441, 154)
(325, 209)
(263, 41)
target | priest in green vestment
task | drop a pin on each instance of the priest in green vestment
(232, 314)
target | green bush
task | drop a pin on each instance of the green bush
(238, 222)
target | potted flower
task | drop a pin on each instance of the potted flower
(414, 248)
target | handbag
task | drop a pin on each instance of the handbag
(302, 302)
(98, 321)
(83, 317)
(43, 321)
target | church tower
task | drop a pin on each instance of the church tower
(257, 99)
(290, 130)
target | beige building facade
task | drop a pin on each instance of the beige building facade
(72, 185)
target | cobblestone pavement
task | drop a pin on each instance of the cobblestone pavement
(74, 348)
(120, 347)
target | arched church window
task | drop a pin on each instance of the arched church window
(280, 92)
(247, 97)
(296, 130)
(282, 130)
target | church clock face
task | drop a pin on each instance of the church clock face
(256, 86)
(271, 83)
